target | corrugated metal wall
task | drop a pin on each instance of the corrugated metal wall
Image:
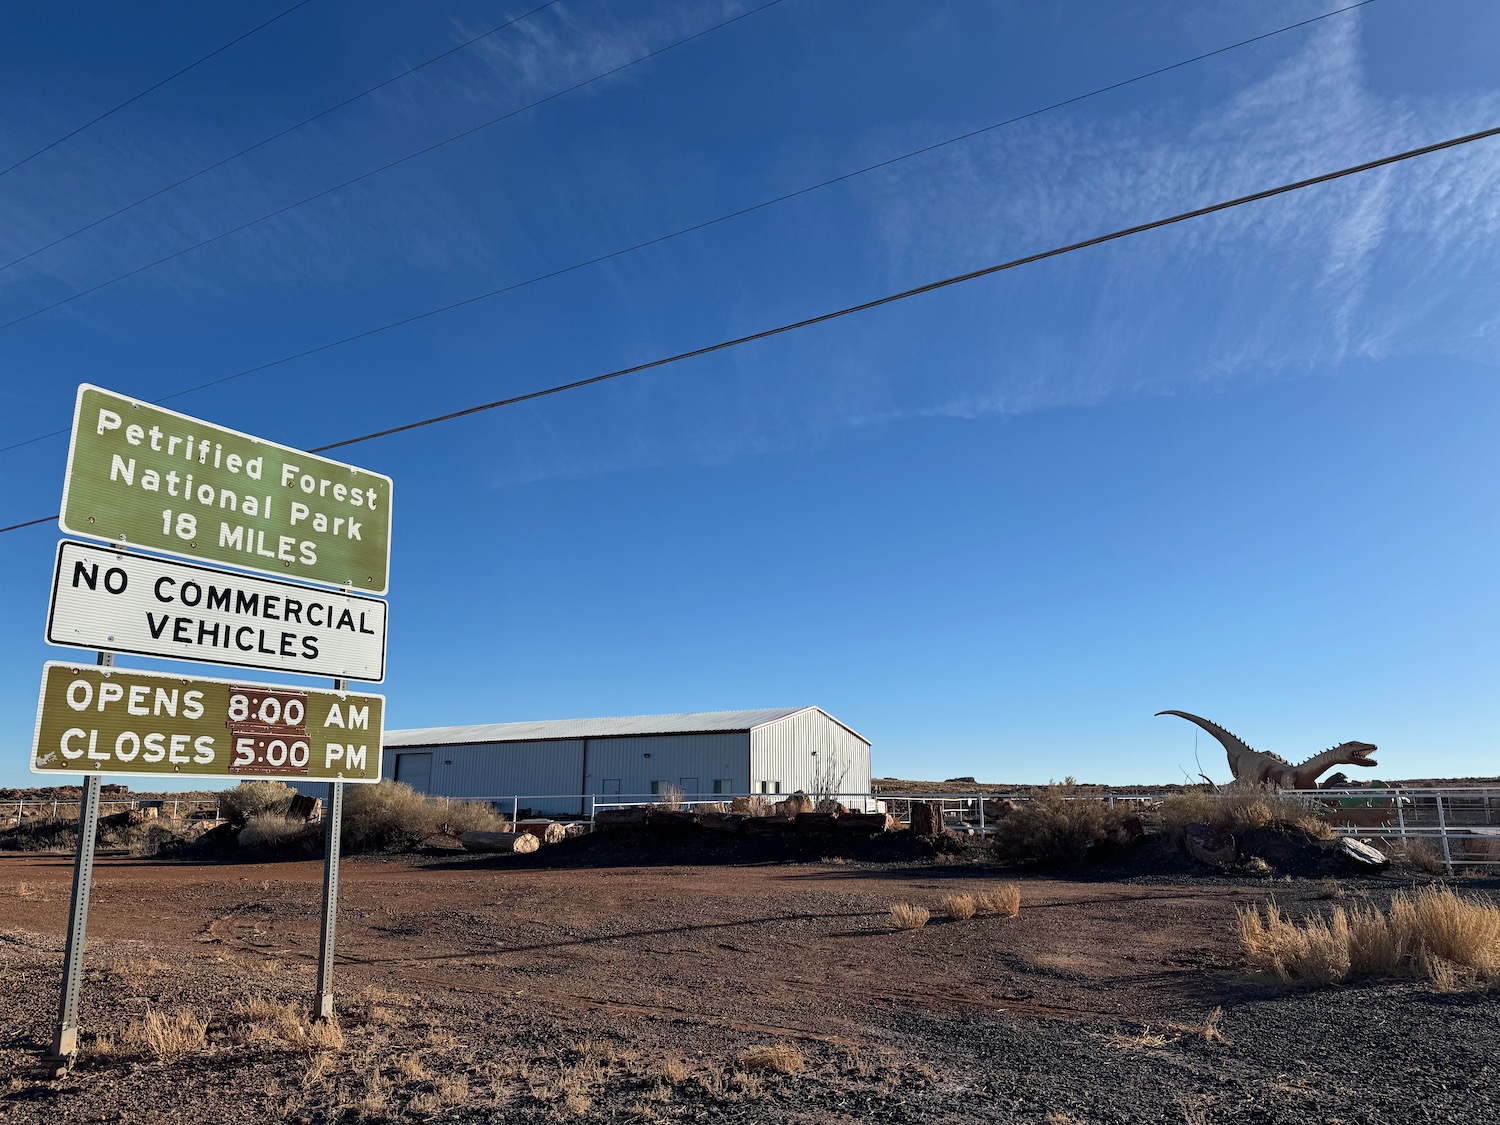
(784, 751)
(673, 758)
(496, 769)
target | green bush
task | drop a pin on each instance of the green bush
(1057, 827)
(254, 798)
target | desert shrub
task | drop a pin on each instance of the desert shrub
(1004, 900)
(759, 805)
(905, 916)
(1424, 856)
(781, 1058)
(1238, 807)
(1057, 827)
(387, 816)
(273, 831)
(1434, 933)
(958, 907)
(469, 816)
(670, 797)
(254, 798)
(41, 834)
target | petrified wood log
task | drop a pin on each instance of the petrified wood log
(1210, 844)
(927, 818)
(632, 816)
(500, 842)
(547, 831)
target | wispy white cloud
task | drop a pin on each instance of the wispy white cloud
(1398, 262)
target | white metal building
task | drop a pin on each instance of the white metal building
(561, 763)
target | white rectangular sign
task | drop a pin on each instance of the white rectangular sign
(103, 598)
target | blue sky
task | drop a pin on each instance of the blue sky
(1243, 467)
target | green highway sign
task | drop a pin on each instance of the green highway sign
(142, 476)
(118, 721)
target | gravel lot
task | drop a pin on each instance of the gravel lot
(475, 989)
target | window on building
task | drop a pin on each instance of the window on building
(723, 785)
(770, 787)
(658, 786)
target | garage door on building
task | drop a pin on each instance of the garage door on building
(415, 770)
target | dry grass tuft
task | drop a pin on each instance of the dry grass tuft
(959, 907)
(1004, 900)
(1314, 826)
(258, 1020)
(905, 916)
(1435, 933)
(160, 1035)
(1331, 889)
(1057, 827)
(1210, 1030)
(674, 1071)
(1422, 855)
(1145, 1039)
(779, 1058)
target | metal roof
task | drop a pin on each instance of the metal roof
(699, 722)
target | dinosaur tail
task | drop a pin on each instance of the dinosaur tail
(1233, 744)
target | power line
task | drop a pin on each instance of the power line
(394, 163)
(892, 298)
(932, 286)
(137, 97)
(741, 212)
(407, 73)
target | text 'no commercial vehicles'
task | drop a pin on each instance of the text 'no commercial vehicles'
(566, 764)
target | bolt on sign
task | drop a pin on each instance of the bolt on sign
(142, 476)
(119, 721)
(106, 598)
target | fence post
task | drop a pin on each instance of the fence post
(981, 812)
(1401, 816)
(515, 808)
(1443, 829)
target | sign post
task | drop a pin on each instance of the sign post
(65, 1039)
(333, 826)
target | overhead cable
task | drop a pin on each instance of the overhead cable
(705, 224)
(394, 163)
(149, 89)
(407, 73)
(892, 298)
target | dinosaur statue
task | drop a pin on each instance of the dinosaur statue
(1256, 767)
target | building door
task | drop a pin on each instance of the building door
(689, 786)
(612, 786)
(415, 770)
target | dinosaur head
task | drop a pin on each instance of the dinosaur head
(1356, 753)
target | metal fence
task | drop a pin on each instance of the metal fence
(1461, 824)
(22, 808)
